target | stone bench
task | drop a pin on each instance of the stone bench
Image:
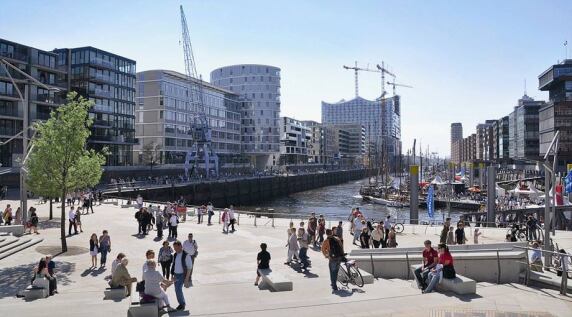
(115, 294)
(15, 230)
(367, 277)
(40, 290)
(275, 281)
(461, 285)
(138, 309)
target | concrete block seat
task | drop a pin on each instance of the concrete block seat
(461, 285)
(275, 281)
(115, 293)
(15, 230)
(140, 309)
(367, 277)
(41, 289)
(548, 279)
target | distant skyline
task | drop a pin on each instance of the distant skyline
(467, 61)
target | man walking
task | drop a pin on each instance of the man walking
(181, 274)
(333, 250)
(232, 218)
(71, 219)
(192, 249)
(386, 227)
(303, 240)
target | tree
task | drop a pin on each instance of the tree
(59, 162)
(150, 154)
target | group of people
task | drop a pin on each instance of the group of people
(436, 265)
(177, 264)
(85, 199)
(371, 234)
(10, 217)
(451, 236)
(299, 239)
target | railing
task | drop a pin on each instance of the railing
(564, 268)
(102, 62)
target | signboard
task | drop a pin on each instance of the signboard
(414, 169)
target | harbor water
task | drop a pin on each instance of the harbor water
(336, 202)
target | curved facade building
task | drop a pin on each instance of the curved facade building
(259, 88)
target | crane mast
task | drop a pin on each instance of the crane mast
(201, 149)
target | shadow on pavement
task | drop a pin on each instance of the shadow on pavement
(17, 278)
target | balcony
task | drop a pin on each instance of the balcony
(14, 55)
(103, 78)
(101, 93)
(51, 99)
(101, 62)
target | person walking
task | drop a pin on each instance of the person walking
(93, 249)
(263, 261)
(387, 227)
(71, 219)
(210, 213)
(225, 218)
(232, 218)
(359, 223)
(377, 236)
(173, 222)
(460, 233)
(445, 231)
(180, 272)
(321, 229)
(139, 217)
(339, 231)
(392, 238)
(159, 223)
(104, 247)
(312, 227)
(333, 250)
(303, 241)
(91, 199)
(18, 216)
(33, 222)
(166, 259)
(78, 220)
(292, 245)
(451, 236)
(192, 249)
(364, 238)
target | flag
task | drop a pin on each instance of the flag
(568, 180)
(430, 202)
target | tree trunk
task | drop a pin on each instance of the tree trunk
(63, 224)
(51, 209)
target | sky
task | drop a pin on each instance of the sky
(466, 60)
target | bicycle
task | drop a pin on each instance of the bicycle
(520, 233)
(398, 227)
(349, 273)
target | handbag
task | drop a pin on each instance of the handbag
(449, 272)
(140, 287)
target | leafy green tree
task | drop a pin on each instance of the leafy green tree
(59, 162)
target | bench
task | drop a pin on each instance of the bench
(40, 290)
(460, 285)
(115, 294)
(15, 230)
(138, 309)
(367, 277)
(275, 281)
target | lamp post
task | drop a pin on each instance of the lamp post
(26, 149)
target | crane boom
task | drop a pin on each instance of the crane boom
(201, 149)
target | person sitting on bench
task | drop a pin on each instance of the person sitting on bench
(430, 259)
(41, 272)
(155, 285)
(121, 277)
(443, 269)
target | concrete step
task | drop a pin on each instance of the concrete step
(6, 242)
(15, 249)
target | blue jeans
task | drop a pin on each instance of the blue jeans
(334, 266)
(103, 252)
(304, 257)
(179, 281)
(433, 281)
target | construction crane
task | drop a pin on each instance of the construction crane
(356, 69)
(394, 85)
(201, 150)
(384, 71)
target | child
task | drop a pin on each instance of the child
(476, 236)
(263, 260)
(451, 236)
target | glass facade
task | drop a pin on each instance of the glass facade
(109, 81)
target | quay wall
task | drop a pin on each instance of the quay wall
(244, 192)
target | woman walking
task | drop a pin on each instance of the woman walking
(104, 247)
(93, 249)
(78, 220)
(321, 229)
(392, 238)
(166, 258)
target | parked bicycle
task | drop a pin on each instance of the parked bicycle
(349, 273)
(398, 226)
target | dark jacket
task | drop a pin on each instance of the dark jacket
(177, 258)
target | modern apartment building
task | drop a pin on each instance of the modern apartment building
(349, 144)
(523, 129)
(164, 117)
(44, 67)
(109, 81)
(391, 126)
(295, 137)
(502, 135)
(556, 114)
(456, 135)
(259, 87)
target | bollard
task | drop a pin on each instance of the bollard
(407, 260)
(219, 217)
(498, 268)
(372, 266)
(272, 222)
(255, 220)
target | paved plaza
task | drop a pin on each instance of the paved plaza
(225, 271)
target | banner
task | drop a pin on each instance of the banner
(568, 180)
(430, 202)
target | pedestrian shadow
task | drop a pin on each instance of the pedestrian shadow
(346, 292)
(175, 313)
(17, 278)
(463, 298)
(157, 239)
(138, 236)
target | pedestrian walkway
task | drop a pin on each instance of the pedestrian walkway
(225, 271)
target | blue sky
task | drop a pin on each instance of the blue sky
(467, 60)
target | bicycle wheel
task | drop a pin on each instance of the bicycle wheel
(343, 276)
(521, 235)
(398, 227)
(356, 277)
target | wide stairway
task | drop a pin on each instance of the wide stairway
(10, 245)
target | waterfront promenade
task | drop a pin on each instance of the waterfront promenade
(225, 271)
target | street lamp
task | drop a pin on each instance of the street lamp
(26, 149)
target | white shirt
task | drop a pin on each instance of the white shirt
(153, 281)
(179, 266)
(71, 215)
(387, 224)
(190, 247)
(114, 265)
(210, 207)
(231, 213)
(358, 226)
(173, 220)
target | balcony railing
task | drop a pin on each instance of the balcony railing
(101, 77)
(101, 93)
(14, 55)
(101, 62)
